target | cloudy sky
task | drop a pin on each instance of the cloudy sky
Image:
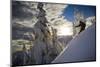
(60, 16)
(88, 11)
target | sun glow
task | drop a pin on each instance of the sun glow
(64, 31)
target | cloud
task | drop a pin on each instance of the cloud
(90, 20)
(54, 11)
(25, 12)
(54, 14)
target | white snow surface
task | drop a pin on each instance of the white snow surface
(81, 48)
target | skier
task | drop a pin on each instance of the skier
(82, 25)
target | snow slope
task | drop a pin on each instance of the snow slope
(81, 48)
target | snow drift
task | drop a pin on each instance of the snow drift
(81, 48)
